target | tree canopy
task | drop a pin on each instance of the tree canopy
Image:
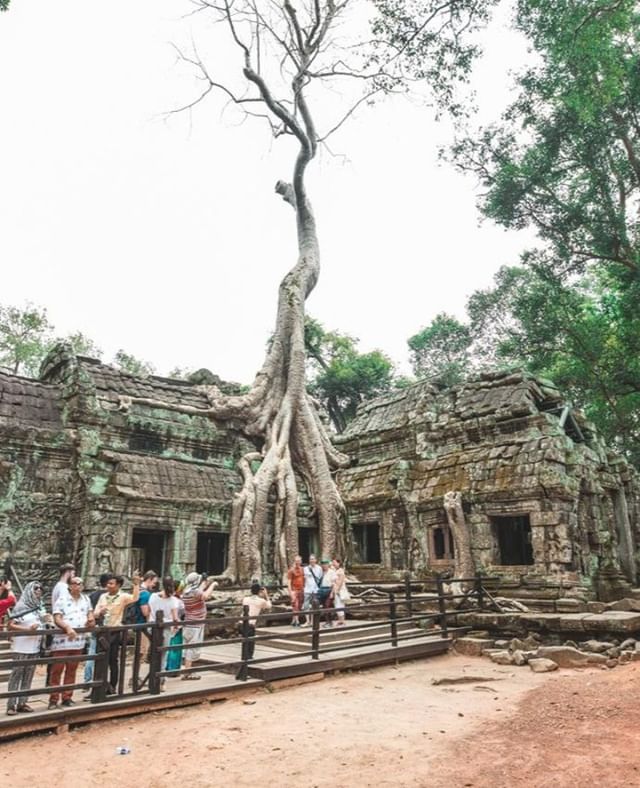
(441, 350)
(340, 376)
(565, 160)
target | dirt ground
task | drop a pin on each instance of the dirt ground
(393, 726)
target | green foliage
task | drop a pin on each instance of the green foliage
(441, 350)
(430, 41)
(565, 160)
(25, 337)
(4, 5)
(82, 345)
(125, 362)
(340, 376)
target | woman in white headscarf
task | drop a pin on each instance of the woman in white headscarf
(29, 615)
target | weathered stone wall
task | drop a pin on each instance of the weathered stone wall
(84, 471)
(509, 445)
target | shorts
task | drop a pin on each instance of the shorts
(193, 636)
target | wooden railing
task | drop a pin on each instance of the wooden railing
(424, 605)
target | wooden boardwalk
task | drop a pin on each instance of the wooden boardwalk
(341, 649)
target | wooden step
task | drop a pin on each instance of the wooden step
(299, 639)
(361, 656)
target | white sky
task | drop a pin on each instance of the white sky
(164, 237)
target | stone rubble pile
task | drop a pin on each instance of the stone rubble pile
(541, 657)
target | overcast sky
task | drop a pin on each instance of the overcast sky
(164, 237)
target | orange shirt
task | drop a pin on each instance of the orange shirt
(296, 578)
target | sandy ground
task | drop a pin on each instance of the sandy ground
(383, 727)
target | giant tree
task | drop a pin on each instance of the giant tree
(289, 56)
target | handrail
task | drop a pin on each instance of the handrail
(400, 606)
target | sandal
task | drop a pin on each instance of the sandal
(191, 677)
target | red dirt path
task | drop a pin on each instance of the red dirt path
(506, 728)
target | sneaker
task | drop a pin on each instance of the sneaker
(11, 711)
(295, 624)
(68, 702)
(25, 708)
(52, 705)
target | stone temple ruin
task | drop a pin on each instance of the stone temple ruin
(534, 496)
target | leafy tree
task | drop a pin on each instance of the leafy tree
(4, 5)
(342, 377)
(132, 365)
(565, 160)
(441, 351)
(25, 336)
(82, 345)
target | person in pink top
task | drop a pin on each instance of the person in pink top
(7, 599)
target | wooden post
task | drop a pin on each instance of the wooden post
(315, 632)
(407, 594)
(479, 591)
(135, 678)
(122, 660)
(101, 667)
(392, 617)
(156, 656)
(442, 607)
(243, 673)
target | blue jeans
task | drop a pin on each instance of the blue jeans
(88, 666)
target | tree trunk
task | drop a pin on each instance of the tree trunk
(463, 557)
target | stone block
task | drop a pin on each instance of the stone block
(502, 658)
(566, 657)
(472, 647)
(540, 665)
(613, 621)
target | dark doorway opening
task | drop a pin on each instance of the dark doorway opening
(211, 552)
(308, 543)
(514, 540)
(149, 551)
(366, 538)
(442, 543)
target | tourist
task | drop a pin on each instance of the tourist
(166, 602)
(61, 588)
(94, 598)
(112, 605)
(325, 595)
(340, 592)
(7, 599)
(312, 579)
(196, 592)
(71, 612)
(257, 603)
(295, 584)
(141, 609)
(29, 615)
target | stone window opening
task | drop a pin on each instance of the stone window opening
(366, 539)
(442, 548)
(567, 421)
(211, 552)
(513, 537)
(149, 550)
(145, 440)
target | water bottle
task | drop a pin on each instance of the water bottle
(122, 750)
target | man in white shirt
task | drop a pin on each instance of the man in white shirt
(312, 580)
(61, 588)
(71, 611)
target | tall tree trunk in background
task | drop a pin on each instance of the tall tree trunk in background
(463, 557)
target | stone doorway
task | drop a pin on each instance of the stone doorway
(211, 552)
(366, 542)
(149, 551)
(308, 543)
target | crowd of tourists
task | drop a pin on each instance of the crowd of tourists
(318, 584)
